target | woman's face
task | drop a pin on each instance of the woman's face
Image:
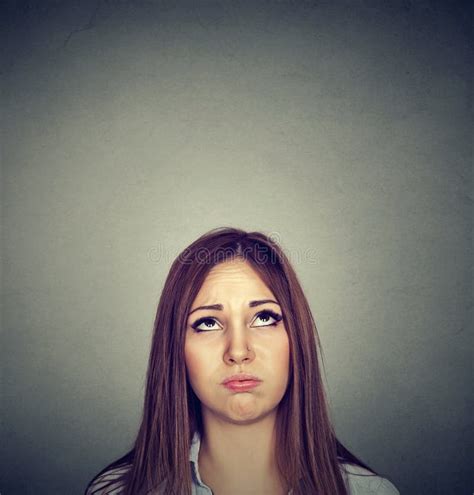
(238, 335)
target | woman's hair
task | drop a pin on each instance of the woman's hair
(309, 455)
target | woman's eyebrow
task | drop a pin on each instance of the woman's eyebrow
(220, 307)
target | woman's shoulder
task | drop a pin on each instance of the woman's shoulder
(109, 482)
(361, 481)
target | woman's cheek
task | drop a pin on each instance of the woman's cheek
(192, 362)
(197, 362)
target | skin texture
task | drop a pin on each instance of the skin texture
(238, 426)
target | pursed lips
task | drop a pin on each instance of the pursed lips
(240, 377)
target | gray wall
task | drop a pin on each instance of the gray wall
(130, 128)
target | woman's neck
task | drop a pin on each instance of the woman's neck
(240, 458)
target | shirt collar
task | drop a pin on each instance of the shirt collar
(195, 446)
(193, 458)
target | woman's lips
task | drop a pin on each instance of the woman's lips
(240, 377)
(241, 385)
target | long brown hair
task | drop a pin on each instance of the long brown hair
(309, 456)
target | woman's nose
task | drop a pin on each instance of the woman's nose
(238, 346)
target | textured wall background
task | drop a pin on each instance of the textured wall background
(132, 127)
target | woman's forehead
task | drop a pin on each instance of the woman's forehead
(234, 275)
(235, 270)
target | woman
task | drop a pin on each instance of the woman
(234, 400)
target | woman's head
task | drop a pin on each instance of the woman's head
(232, 268)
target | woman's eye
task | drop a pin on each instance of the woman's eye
(266, 318)
(204, 324)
